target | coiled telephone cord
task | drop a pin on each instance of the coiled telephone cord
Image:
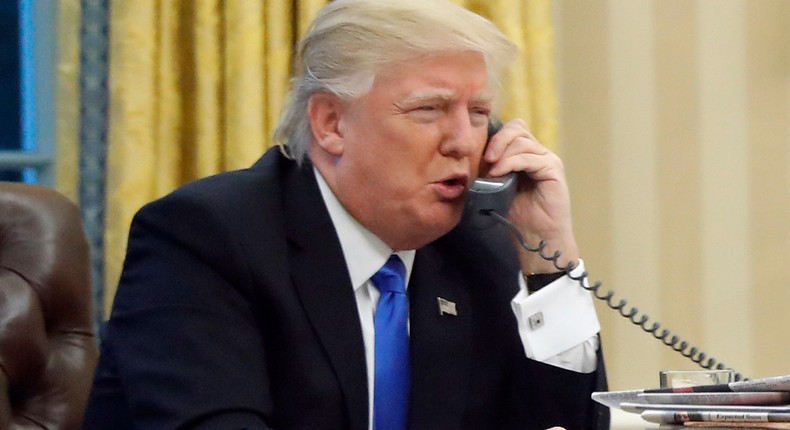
(631, 313)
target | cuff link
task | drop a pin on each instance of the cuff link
(535, 320)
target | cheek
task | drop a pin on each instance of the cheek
(405, 156)
(374, 174)
(395, 155)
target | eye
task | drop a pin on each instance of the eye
(480, 116)
(426, 113)
(481, 112)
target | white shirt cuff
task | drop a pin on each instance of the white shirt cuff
(559, 318)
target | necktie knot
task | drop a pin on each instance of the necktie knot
(391, 278)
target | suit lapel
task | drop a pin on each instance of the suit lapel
(323, 284)
(440, 344)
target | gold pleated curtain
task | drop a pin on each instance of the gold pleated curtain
(68, 98)
(197, 86)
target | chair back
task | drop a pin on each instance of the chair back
(48, 347)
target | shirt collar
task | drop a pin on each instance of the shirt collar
(364, 252)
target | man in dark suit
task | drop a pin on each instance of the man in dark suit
(249, 299)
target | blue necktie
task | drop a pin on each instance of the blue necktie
(392, 374)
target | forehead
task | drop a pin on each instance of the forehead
(443, 76)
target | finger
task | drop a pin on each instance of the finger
(524, 154)
(536, 166)
(503, 138)
(524, 145)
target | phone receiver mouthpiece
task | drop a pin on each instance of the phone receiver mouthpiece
(486, 195)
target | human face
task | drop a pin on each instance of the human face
(411, 146)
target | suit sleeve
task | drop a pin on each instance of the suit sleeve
(183, 336)
(541, 395)
(564, 398)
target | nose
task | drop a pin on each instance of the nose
(460, 138)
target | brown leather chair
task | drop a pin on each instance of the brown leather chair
(48, 347)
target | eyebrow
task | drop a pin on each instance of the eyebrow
(443, 95)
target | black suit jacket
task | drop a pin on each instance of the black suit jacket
(235, 310)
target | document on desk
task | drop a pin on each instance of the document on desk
(682, 417)
(745, 398)
(613, 399)
(714, 425)
(638, 408)
(757, 403)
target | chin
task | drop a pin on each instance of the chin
(439, 226)
(428, 226)
(420, 234)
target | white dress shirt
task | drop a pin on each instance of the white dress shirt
(566, 338)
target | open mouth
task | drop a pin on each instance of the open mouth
(452, 187)
(454, 182)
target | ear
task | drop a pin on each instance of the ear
(324, 110)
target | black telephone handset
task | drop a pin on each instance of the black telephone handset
(488, 202)
(489, 194)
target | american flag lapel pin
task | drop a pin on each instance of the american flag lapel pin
(446, 307)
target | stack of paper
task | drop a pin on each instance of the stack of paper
(757, 403)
